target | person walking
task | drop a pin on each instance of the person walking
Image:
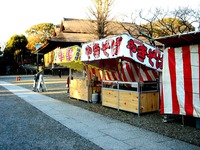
(59, 73)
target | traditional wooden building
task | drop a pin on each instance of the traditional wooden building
(76, 32)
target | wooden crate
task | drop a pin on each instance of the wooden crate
(149, 102)
(110, 98)
(79, 90)
(128, 101)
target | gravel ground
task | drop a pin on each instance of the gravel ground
(149, 121)
(23, 127)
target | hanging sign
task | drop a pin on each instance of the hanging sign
(69, 57)
(63, 55)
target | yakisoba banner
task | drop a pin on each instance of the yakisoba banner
(123, 46)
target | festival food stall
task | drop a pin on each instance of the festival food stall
(129, 71)
(80, 87)
(181, 75)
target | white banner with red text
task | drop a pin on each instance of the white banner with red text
(121, 47)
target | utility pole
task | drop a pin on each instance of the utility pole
(37, 46)
(37, 62)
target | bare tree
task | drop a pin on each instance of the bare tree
(178, 21)
(158, 22)
(100, 13)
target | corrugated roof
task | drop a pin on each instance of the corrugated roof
(179, 40)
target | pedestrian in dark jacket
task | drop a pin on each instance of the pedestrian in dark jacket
(59, 73)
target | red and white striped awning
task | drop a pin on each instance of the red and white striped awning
(125, 71)
(181, 81)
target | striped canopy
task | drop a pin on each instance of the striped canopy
(125, 71)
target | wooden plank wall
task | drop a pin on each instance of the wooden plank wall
(110, 98)
(149, 102)
(79, 90)
(128, 100)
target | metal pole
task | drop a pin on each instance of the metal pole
(37, 62)
(139, 91)
(88, 83)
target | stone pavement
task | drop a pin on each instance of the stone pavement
(103, 131)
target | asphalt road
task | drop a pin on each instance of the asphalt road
(23, 127)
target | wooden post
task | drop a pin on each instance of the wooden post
(118, 95)
(119, 61)
(159, 84)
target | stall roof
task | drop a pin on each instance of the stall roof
(50, 45)
(179, 40)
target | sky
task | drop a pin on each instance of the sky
(19, 15)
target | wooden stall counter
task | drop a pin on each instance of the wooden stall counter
(130, 99)
(81, 89)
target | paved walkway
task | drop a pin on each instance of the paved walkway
(105, 132)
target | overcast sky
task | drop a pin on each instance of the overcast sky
(19, 15)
